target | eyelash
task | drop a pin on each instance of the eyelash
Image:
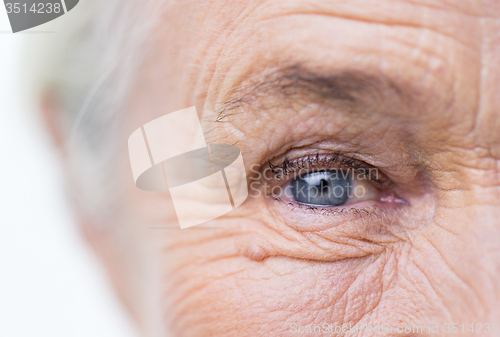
(334, 160)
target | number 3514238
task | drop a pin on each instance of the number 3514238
(36, 8)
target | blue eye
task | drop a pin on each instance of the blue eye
(324, 188)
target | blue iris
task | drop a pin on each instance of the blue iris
(323, 188)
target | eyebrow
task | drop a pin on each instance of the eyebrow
(353, 89)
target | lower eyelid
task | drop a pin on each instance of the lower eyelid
(277, 229)
(351, 211)
(307, 237)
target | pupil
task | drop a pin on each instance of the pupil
(325, 188)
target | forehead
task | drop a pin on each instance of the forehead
(443, 52)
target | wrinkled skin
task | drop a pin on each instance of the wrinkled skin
(431, 127)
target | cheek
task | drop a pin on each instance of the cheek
(238, 296)
(213, 288)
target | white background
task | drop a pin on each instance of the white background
(50, 283)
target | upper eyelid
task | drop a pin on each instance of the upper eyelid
(332, 160)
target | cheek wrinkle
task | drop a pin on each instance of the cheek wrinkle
(256, 253)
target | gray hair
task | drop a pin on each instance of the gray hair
(87, 67)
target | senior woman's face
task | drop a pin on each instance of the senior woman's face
(408, 89)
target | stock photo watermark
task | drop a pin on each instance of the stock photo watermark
(333, 182)
(385, 329)
(27, 14)
(207, 181)
(204, 181)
